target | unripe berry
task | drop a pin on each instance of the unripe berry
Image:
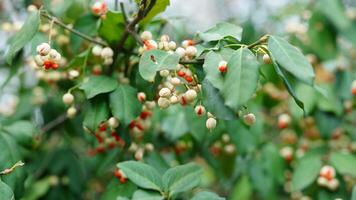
(164, 92)
(174, 99)
(222, 66)
(327, 172)
(43, 49)
(150, 44)
(99, 8)
(149, 147)
(38, 60)
(225, 138)
(133, 147)
(353, 88)
(187, 43)
(333, 184)
(283, 121)
(107, 52)
(113, 122)
(180, 51)
(200, 110)
(146, 35)
(141, 96)
(150, 104)
(230, 148)
(266, 59)
(73, 74)
(172, 45)
(54, 55)
(175, 81)
(163, 102)
(191, 51)
(163, 45)
(249, 119)
(68, 98)
(108, 61)
(164, 73)
(287, 153)
(71, 112)
(210, 123)
(190, 95)
(139, 154)
(164, 38)
(97, 50)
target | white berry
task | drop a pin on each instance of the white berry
(113, 122)
(97, 50)
(163, 102)
(146, 35)
(200, 110)
(249, 119)
(43, 49)
(180, 51)
(190, 95)
(107, 52)
(68, 98)
(164, 92)
(210, 123)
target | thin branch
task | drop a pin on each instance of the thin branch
(262, 40)
(123, 11)
(80, 34)
(11, 169)
(54, 123)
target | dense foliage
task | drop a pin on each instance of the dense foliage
(113, 104)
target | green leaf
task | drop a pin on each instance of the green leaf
(306, 171)
(97, 113)
(182, 178)
(124, 103)
(215, 103)
(146, 195)
(6, 192)
(344, 163)
(117, 191)
(142, 174)
(111, 28)
(241, 78)
(37, 189)
(220, 31)
(24, 36)
(8, 157)
(243, 189)
(175, 125)
(291, 59)
(97, 85)
(211, 64)
(22, 131)
(205, 195)
(159, 6)
(353, 197)
(156, 60)
(288, 85)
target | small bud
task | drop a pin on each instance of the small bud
(43, 49)
(222, 66)
(249, 119)
(266, 59)
(108, 61)
(73, 74)
(113, 122)
(190, 95)
(164, 73)
(149, 147)
(180, 51)
(97, 50)
(71, 112)
(107, 52)
(32, 8)
(200, 110)
(210, 123)
(225, 138)
(141, 96)
(164, 92)
(163, 102)
(146, 35)
(68, 98)
(230, 148)
(191, 51)
(139, 154)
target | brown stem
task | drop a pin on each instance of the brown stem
(65, 26)
(263, 39)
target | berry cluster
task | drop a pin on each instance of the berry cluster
(46, 57)
(105, 53)
(327, 178)
(99, 8)
(107, 137)
(120, 175)
(223, 145)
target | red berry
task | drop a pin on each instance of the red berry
(181, 73)
(188, 79)
(145, 114)
(132, 124)
(47, 64)
(54, 65)
(102, 127)
(223, 68)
